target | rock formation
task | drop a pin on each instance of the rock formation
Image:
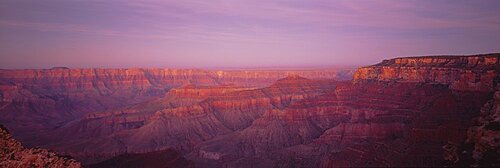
(402, 119)
(13, 155)
(400, 112)
(377, 121)
(475, 73)
(48, 99)
(181, 119)
(482, 146)
(485, 134)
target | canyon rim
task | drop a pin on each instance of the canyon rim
(249, 84)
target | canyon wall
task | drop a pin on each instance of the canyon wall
(474, 73)
(105, 81)
(484, 134)
(47, 99)
(396, 113)
(400, 112)
(183, 118)
(409, 122)
(482, 146)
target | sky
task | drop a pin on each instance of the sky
(240, 33)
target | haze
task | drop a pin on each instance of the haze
(228, 33)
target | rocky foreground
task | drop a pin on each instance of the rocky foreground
(414, 111)
(482, 146)
(14, 155)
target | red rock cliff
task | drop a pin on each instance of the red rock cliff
(48, 98)
(106, 80)
(474, 73)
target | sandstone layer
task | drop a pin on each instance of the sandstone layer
(183, 118)
(407, 121)
(400, 112)
(49, 98)
(473, 73)
(402, 118)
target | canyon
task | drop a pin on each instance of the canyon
(408, 111)
(49, 98)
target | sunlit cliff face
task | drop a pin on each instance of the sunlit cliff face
(461, 73)
(414, 111)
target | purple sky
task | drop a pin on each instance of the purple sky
(237, 33)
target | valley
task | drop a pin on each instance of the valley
(401, 112)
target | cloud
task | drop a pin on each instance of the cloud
(252, 20)
(312, 30)
(72, 28)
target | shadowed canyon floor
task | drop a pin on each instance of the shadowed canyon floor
(413, 111)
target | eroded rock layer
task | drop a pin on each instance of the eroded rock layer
(410, 122)
(474, 73)
(13, 155)
(484, 135)
(400, 112)
(47, 99)
(185, 117)
(482, 146)
(381, 119)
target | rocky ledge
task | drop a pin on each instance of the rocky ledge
(13, 154)
(472, 73)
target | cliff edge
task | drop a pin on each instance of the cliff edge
(472, 73)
